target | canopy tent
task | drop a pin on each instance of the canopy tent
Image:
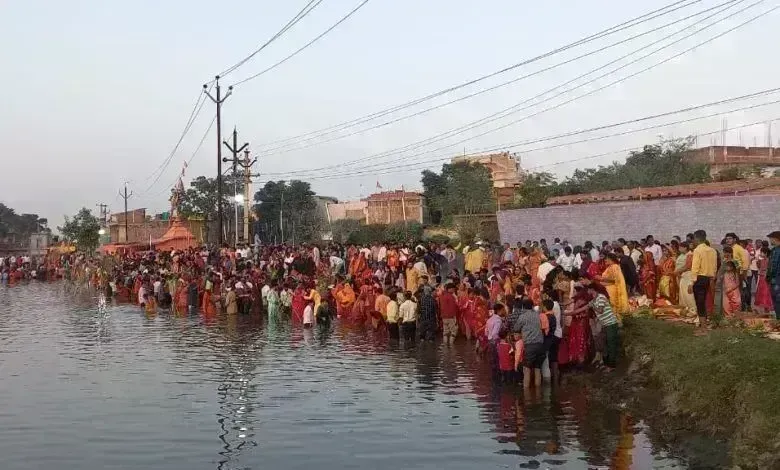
(178, 237)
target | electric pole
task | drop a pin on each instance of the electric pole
(235, 150)
(247, 183)
(126, 196)
(218, 101)
(103, 212)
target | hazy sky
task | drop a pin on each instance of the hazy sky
(97, 92)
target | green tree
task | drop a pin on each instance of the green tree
(294, 204)
(82, 230)
(20, 227)
(434, 190)
(656, 165)
(200, 199)
(535, 190)
(461, 188)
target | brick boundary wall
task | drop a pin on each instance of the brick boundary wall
(750, 216)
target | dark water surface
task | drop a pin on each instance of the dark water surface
(89, 386)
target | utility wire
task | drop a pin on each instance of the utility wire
(424, 165)
(298, 17)
(305, 46)
(674, 6)
(195, 152)
(508, 111)
(618, 124)
(562, 162)
(310, 142)
(190, 120)
(167, 161)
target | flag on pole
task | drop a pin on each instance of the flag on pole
(378, 186)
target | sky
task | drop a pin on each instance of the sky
(97, 93)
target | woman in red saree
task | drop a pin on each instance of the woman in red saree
(465, 310)
(298, 303)
(357, 265)
(180, 300)
(763, 302)
(480, 320)
(577, 336)
(367, 299)
(136, 288)
(647, 275)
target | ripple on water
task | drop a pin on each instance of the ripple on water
(94, 386)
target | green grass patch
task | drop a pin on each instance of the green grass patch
(726, 382)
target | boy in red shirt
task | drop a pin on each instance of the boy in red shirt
(506, 361)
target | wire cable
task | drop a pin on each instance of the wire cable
(304, 47)
(310, 142)
(674, 6)
(425, 165)
(298, 17)
(194, 153)
(511, 110)
(609, 126)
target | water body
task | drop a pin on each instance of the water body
(92, 386)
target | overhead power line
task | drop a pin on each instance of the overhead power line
(305, 46)
(674, 6)
(424, 165)
(313, 141)
(160, 170)
(519, 106)
(192, 157)
(585, 131)
(308, 8)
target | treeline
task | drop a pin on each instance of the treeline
(466, 188)
(656, 165)
(17, 228)
(353, 231)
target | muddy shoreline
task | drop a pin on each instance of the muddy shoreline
(709, 400)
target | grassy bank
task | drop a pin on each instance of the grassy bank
(726, 382)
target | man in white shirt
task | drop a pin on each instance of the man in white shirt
(655, 249)
(408, 313)
(545, 269)
(566, 259)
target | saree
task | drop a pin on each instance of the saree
(616, 289)
(667, 284)
(465, 313)
(732, 298)
(763, 298)
(686, 298)
(298, 305)
(647, 276)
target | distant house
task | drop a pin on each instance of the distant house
(390, 207)
(505, 170)
(39, 243)
(722, 157)
(347, 210)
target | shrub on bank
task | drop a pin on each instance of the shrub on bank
(726, 382)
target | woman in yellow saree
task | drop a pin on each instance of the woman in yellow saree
(613, 280)
(667, 284)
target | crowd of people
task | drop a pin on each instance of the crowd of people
(520, 306)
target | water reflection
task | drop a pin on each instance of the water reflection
(194, 392)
